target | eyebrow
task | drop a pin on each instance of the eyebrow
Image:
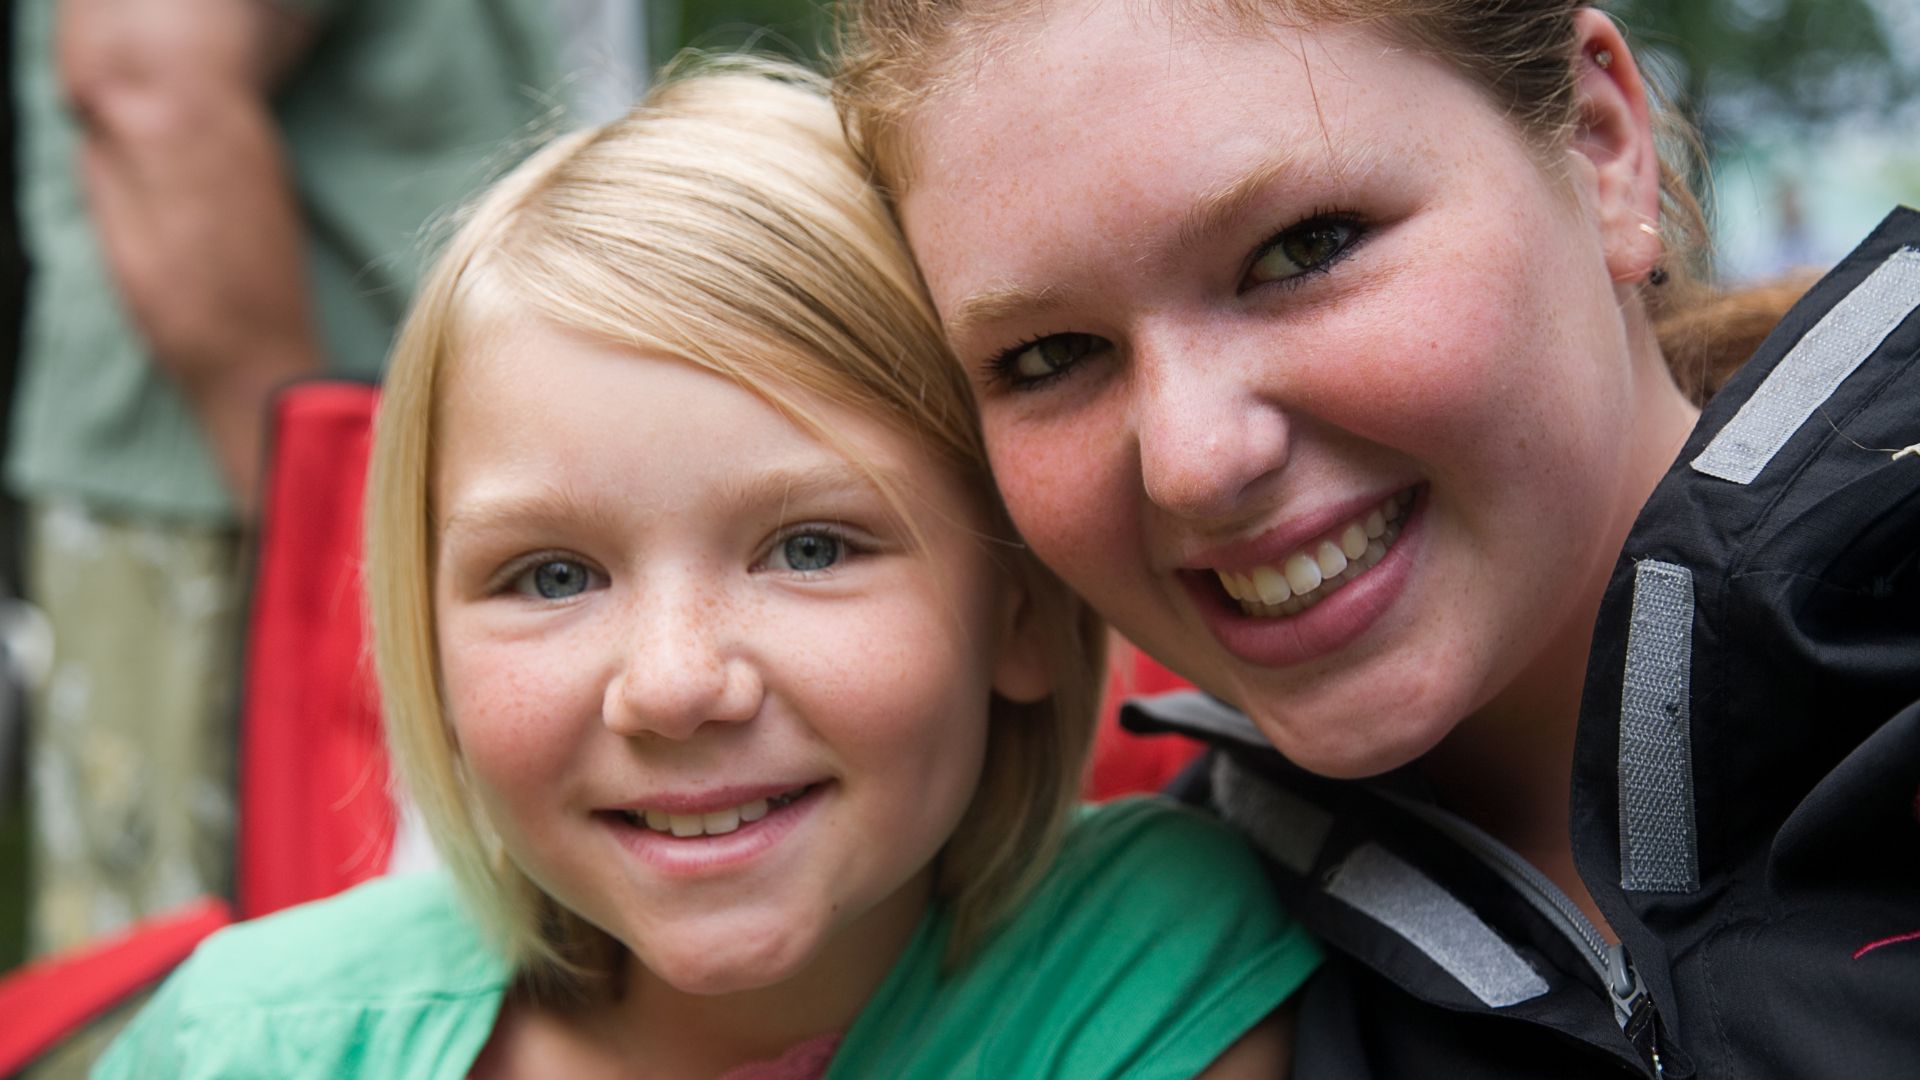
(1226, 202)
(825, 480)
(1211, 213)
(1216, 209)
(782, 485)
(997, 303)
(488, 511)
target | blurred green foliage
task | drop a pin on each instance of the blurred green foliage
(1732, 64)
(1738, 64)
(797, 28)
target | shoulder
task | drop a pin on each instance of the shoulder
(362, 981)
(1112, 842)
(1169, 882)
(1157, 868)
(388, 938)
(1152, 944)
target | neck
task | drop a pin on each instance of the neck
(680, 1033)
(1508, 768)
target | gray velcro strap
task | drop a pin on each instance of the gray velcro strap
(1813, 369)
(1390, 891)
(1287, 827)
(1657, 848)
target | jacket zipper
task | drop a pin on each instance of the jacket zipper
(1633, 1008)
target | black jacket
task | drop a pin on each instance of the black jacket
(1746, 788)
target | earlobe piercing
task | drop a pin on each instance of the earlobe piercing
(1658, 275)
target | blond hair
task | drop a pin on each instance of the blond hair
(725, 223)
(897, 55)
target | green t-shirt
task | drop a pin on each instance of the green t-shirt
(1151, 945)
(398, 109)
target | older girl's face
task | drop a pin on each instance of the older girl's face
(1298, 363)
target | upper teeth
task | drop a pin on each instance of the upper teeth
(712, 823)
(1311, 574)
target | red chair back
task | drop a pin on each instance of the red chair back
(314, 812)
(1124, 763)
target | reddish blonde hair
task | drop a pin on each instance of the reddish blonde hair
(896, 55)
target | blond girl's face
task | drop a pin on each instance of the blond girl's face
(1294, 360)
(709, 691)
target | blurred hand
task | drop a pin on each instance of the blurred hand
(193, 200)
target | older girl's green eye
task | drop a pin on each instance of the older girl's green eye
(1304, 248)
(1050, 355)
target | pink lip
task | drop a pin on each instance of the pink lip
(1324, 628)
(710, 800)
(1294, 534)
(699, 856)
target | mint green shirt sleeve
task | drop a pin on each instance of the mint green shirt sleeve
(1153, 944)
(143, 1048)
(389, 979)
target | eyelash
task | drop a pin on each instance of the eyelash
(851, 546)
(1320, 217)
(1001, 368)
(1002, 371)
(503, 582)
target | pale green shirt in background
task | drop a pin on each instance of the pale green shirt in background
(400, 108)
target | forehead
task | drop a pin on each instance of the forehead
(528, 404)
(1108, 64)
(518, 385)
(1157, 112)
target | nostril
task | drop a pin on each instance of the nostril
(1206, 463)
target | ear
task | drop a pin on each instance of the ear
(1021, 671)
(1615, 137)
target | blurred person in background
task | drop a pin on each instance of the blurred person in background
(217, 196)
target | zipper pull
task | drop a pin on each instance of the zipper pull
(1633, 1008)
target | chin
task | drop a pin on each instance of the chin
(727, 963)
(1349, 749)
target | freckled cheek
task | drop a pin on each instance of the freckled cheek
(515, 718)
(1442, 371)
(1072, 490)
(896, 692)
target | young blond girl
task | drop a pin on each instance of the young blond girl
(747, 729)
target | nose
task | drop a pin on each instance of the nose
(680, 666)
(1210, 432)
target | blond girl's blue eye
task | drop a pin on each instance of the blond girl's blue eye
(809, 552)
(555, 579)
(1310, 246)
